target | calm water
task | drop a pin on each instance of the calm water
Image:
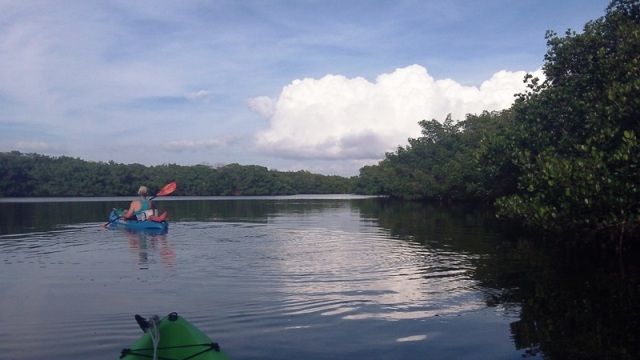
(303, 278)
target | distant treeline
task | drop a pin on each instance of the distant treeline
(33, 175)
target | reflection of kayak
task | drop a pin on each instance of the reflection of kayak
(137, 225)
(174, 338)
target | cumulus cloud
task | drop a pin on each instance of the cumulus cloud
(336, 117)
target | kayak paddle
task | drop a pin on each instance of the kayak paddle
(166, 190)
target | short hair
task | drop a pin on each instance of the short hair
(142, 190)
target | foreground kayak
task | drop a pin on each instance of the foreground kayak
(175, 338)
(115, 221)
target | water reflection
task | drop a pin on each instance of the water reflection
(569, 303)
(333, 265)
(301, 264)
(575, 305)
(33, 215)
(147, 247)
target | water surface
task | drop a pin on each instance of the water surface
(267, 278)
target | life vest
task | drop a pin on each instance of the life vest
(144, 212)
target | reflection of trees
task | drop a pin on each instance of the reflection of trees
(16, 217)
(578, 305)
(462, 228)
(241, 210)
(572, 305)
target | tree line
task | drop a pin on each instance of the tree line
(34, 175)
(564, 158)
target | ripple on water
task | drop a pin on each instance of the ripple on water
(335, 273)
(235, 280)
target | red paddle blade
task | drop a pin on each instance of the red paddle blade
(167, 189)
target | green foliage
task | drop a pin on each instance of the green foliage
(591, 190)
(563, 158)
(26, 175)
(576, 146)
(451, 161)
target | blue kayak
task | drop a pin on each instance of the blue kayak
(134, 225)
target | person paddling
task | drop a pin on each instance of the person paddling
(143, 209)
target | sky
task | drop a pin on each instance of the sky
(326, 86)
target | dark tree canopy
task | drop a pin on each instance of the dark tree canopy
(27, 175)
(563, 158)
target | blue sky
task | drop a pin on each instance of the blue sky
(326, 86)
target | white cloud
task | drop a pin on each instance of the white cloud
(340, 118)
(200, 95)
(196, 145)
(262, 105)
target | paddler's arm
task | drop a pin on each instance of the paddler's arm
(127, 214)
